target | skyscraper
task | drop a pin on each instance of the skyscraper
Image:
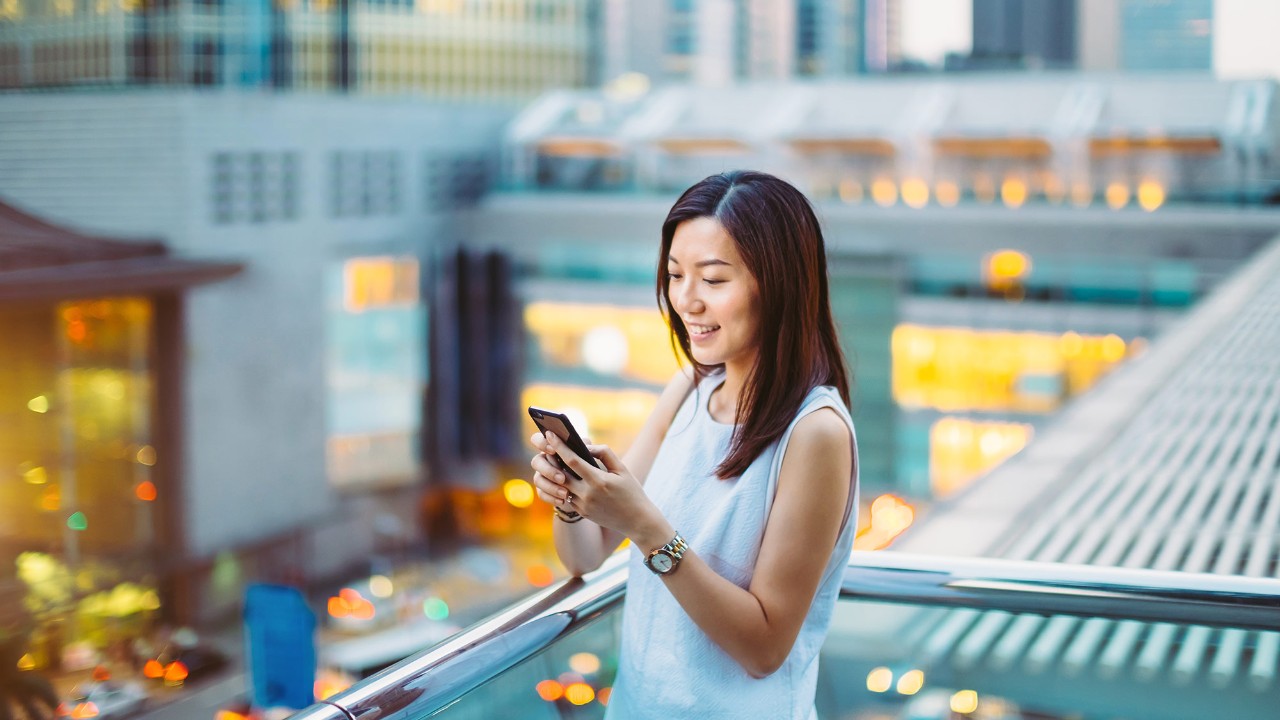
(1145, 35)
(1024, 33)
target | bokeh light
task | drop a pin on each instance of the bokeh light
(879, 679)
(911, 682)
(964, 702)
(579, 694)
(435, 609)
(585, 663)
(518, 492)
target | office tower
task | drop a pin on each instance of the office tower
(441, 48)
(1146, 35)
(1024, 33)
(882, 34)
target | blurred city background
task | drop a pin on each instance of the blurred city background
(278, 278)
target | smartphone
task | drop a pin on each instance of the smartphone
(558, 423)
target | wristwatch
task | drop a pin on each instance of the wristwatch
(664, 560)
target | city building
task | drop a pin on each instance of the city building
(300, 383)
(1010, 34)
(719, 42)
(450, 49)
(1143, 35)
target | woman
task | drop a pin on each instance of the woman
(751, 456)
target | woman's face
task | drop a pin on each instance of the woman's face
(714, 294)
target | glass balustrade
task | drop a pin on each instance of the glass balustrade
(915, 639)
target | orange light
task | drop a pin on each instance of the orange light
(85, 710)
(1117, 195)
(1013, 192)
(579, 693)
(884, 192)
(1081, 194)
(153, 669)
(101, 674)
(230, 715)
(145, 491)
(603, 695)
(339, 607)
(363, 610)
(948, 193)
(175, 673)
(350, 595)
(915, 193)
(1150, 195)
(550, 690)
(77, 331)
(539, 575)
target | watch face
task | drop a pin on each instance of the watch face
(661, 562)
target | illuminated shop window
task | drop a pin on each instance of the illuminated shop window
(960, 450)
(376, 371)
(75, 402)
(959, 369)
(626, 342)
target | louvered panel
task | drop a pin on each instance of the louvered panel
(1189, 484)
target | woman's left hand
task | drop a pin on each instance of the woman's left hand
(610, 497)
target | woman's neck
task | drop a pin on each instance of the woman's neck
(724, 401)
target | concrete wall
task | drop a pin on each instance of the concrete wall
(144, 164)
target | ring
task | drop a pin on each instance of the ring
(568, 498)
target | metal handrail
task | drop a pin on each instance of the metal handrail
(427, 683)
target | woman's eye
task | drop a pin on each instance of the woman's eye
(712, 281)
(673, 276)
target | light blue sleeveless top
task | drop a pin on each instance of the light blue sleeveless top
(667, 667)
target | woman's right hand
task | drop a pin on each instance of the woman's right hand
(548, 478)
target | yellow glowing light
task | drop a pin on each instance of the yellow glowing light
(379, 282)
(380, 586)
(518, 492)
(1081, 194)
(948, 193)
(1071, 344)
(550, 690)
(880, 680)
(964, 702)
(915, 192)
(1150, 195)
(1113, 348)
(884, 192)
(579, 693)
(1117, 195)
(850, 191)
(1005, 266)
(147, 455)
(911, 682)
(1013, 192)
(38, 404)
(585, 663)
(35, 476)
(26, 662)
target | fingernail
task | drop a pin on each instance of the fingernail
(560, 477)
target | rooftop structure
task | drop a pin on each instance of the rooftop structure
(1054, 138)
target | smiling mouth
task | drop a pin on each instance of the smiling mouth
(701, 330)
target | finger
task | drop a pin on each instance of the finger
(538, 441)
(542, 463)
(549, 486)
(567, 456)
(549, 499)
(607, 457)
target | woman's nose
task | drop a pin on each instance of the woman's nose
(686, 298)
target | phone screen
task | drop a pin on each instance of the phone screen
(558, 423)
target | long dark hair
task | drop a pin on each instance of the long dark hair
(777, 233)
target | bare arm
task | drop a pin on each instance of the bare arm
(757, 626)
(584, 545)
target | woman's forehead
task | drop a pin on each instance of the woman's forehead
(702, 239)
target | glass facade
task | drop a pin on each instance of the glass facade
(1166, 35)
(443, 48)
